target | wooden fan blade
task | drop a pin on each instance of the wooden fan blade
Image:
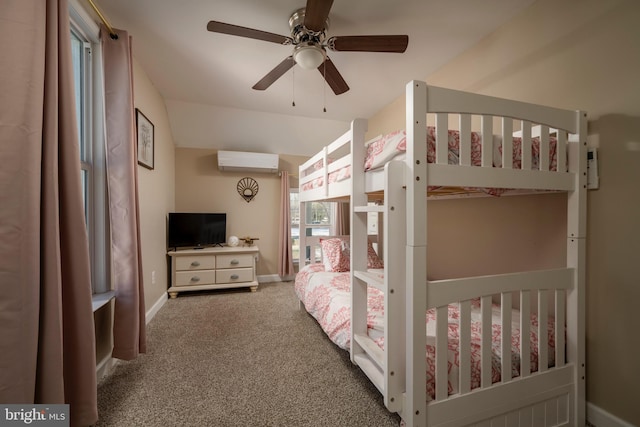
(235, 30)
(395, 44)
(275, 74)
(316, 13)
(333, 77)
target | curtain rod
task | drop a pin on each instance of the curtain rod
(112, 33)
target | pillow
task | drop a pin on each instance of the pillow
(336, 255)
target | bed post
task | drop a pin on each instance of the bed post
(576, 259)
(358, 229)
(415, 409)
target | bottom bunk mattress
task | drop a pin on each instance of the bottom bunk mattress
(326, 296)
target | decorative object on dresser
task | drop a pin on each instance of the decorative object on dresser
(248, 241)
(213, 268)
(233, 241)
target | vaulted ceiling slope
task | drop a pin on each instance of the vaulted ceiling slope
(206, 78)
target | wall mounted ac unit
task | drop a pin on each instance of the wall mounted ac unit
(240, 161)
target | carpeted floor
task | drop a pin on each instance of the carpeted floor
(235, 358)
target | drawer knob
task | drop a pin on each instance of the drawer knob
(195, 279)
(195, 264)
(234, 277)
(235, 262)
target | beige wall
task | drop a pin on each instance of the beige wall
(201, 187)
(578, 54)
(156, 189)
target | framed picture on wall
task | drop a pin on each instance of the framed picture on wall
(144, 132)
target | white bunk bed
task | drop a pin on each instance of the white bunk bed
(552, 395)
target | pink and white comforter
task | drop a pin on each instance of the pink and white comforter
(326, 296)
(394, 145)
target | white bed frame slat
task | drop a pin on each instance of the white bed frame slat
(465, 347)
(507, 143)
(526, 145)
(544, 153)
(505, 314)
(525, 334)
(487, 141)
(486, 342)
(561, 151)
(465, 139)
(543, 339)
(442, 139)
(442, 350)
(559, 332)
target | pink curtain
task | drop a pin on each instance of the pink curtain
(342, 218)
(47, 337)
(285, 256)
(129, 337)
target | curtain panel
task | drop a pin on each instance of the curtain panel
(285, 256)
(129, 336)
(47, 336)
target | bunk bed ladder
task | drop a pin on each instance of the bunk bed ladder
(385, 369)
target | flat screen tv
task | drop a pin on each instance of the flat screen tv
(196, 230)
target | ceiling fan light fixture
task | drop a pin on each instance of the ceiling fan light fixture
(309, 56)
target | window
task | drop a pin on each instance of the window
(88, 98)
(294, 208)
(81, 56)
(318, 221)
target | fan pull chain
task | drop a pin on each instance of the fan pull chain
(324, 86)
(293, 87)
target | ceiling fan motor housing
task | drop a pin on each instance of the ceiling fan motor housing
(308, 52)
(300, 33)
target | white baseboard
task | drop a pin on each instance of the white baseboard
(105, 367)
(155, 308)
(601, 418)
(269, 278)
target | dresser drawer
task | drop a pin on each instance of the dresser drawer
(189, 278)
(196, 262)
(234, 261)
(232, 275)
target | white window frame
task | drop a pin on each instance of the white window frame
(93, 162)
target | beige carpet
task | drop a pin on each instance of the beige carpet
(235, 358)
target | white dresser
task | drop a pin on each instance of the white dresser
(213, 268)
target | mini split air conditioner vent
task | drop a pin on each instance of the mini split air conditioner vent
(240, 161)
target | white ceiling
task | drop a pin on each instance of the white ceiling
(206, 78)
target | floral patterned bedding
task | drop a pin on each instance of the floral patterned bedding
(326, 297)
(394, 145)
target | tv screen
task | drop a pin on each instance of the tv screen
(196, 230)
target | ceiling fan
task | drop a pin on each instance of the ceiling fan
(308, 27)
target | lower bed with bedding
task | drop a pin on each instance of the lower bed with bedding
(326, 296)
